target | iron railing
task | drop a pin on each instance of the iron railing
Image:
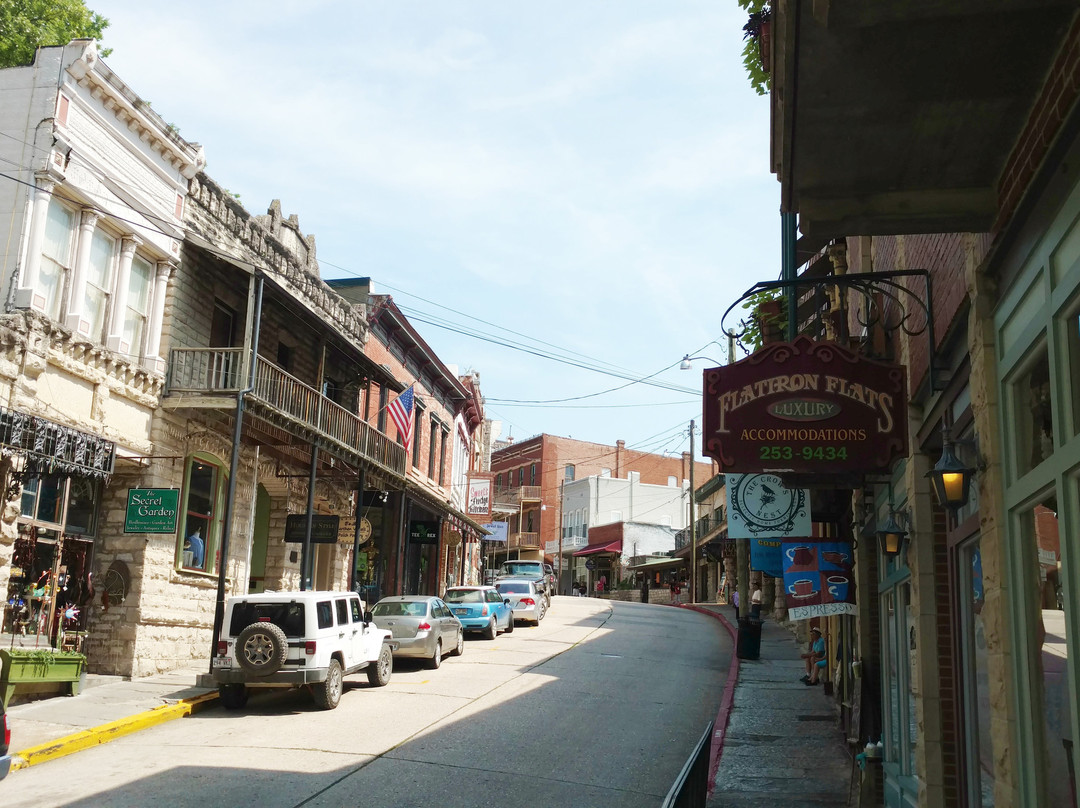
(691, 787)
(217, 371)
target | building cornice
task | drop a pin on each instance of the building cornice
(91, 73)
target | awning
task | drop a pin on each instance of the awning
(602, 547)
(415, 491)
(47, 447)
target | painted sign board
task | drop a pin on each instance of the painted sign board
(805, 407)
(479, 499)
(324, 528)
(152, 510)
(760, 506)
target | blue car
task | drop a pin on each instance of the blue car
(480, 608)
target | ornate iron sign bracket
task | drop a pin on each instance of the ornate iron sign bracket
(881, 301)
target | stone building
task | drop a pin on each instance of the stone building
(92, 219)
(965, 168)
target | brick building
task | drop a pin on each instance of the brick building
(529, 475)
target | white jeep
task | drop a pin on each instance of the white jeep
(293, 639)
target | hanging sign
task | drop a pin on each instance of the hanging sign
(766, 556)
(760, 506)
(424, 531)
(818, 578)
(324, 528)
(805, 407)
(152, 510)
(479, 500)
(498, 530)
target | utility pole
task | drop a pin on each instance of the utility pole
(562, 492)
(693, 523)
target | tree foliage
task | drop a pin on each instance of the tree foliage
(26, 25)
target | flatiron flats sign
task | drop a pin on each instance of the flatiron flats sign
(805, 407)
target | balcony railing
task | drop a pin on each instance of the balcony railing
(569, 543)
(517, 495)
(524, 540)
(216, 371)
(705, 525)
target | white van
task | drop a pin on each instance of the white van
(294, 639)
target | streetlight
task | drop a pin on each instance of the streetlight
(685, 364)
(693, 522)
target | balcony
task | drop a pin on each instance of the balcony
(569, 543)
(211, 377)
(513, 498)
(707, 526)
(524, 541)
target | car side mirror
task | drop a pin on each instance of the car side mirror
(506, 601)
(368, 617)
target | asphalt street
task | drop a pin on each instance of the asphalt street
(598, 706)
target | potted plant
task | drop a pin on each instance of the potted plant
(767, 321)
(757, 50)
(34, 666)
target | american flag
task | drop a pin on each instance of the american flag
(400, 410)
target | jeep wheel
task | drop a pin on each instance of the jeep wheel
(378, 672)
(327, 694)
(233, 697)
(460, 643)
(491, 629)
(436, 658)
(261, 649)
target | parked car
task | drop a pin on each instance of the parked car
(552, 583)
(292, 639)
(480, 608)
(525, 599)
(5, 742)
(531, 570)
(423, 626)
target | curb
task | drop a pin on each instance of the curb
(726, 701)
(105, 733)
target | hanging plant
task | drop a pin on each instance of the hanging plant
(757, 34)
(767, 320)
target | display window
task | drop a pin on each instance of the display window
(203, 505)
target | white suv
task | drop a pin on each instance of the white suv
(289, 639)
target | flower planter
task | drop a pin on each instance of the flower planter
(37, 666)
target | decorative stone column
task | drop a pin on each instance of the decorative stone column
(75, 319)
(151, 360)
(116, 340)
(27, 296)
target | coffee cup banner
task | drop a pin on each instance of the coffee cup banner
(818, 579)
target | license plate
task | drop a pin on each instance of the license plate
(461, 611)
(222, 662)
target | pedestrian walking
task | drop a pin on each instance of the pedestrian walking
(735, 603)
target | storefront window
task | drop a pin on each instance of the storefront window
(975, 676)
(44, 500)
(201, 528)
(1073, 340)
(1034, 419)
(1049, 651)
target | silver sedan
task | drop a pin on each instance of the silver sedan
(423, 626)
(527, 603)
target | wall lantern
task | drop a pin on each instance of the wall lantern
(951, 478)
(891, 535)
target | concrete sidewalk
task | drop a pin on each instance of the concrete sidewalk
(108, 707)
(782, 744)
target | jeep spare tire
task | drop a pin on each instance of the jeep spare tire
(261, 649)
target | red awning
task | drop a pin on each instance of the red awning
(602, 547)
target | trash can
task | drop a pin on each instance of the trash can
(748, 640)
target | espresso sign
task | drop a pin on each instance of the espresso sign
(805, 407)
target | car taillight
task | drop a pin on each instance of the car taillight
(527, 602)
(309, 648)
(7, 730)
(222, 648)
(484, 611)
(425, 626)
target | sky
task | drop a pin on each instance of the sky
(588, 181)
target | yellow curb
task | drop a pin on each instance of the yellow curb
(96, 736)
